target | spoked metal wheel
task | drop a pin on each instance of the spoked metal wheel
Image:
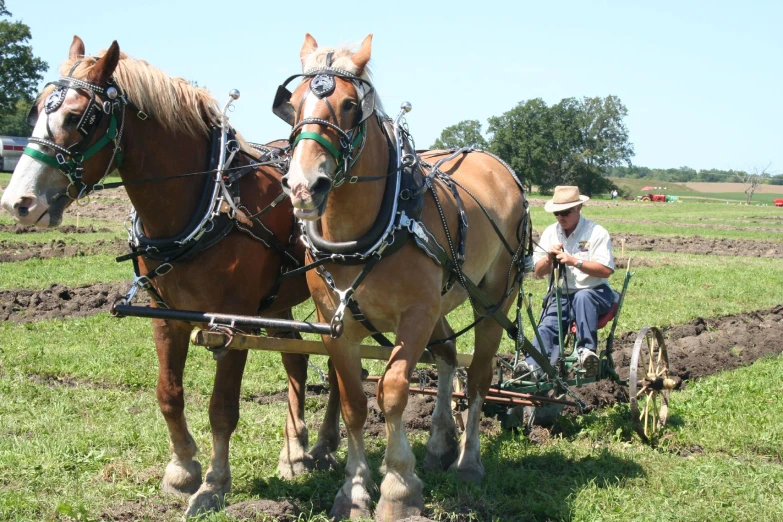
(649, 384)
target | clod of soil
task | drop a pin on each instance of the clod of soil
(698, 245)
(700, 348)
(142, 510)
(59, 301)
(67, 229)
(264, 510)
(11, 251)
(693, 245)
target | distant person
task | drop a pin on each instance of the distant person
(585, 249)
(614, 194)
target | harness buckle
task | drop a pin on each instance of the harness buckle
(353, 179)
(164, 269)
(141, 115)
(60, 158)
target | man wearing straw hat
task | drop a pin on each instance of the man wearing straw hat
(585, 251)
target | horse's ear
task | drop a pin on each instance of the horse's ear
(362, 56)
(308, 47)
(104, 67)
(77, 48)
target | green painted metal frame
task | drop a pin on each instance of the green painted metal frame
(554, 378)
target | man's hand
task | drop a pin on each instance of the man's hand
(567, 259)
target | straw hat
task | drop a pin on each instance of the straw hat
(563, 198)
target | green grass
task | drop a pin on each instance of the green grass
(74, 452)
(114, 230)
(634, 187)
(81, 435)
(36, 274)
(680, 219)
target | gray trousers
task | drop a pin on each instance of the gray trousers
(588, 305)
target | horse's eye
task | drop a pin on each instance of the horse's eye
(71, 119)
(349, 104)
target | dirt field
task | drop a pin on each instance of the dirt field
(731, 187)
(697, 349)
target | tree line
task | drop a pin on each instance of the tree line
(573, 142)
(20, 72)
(579, 142)
(686, 174)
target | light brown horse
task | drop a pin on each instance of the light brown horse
(402, 293)
(164, 132)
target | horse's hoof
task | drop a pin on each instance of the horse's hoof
(390, 510)
(206, 499)
(345, 507)
(472, 472)
(433, 462)
(289, 469)
(325, 461)
(181, 479)
(401, 497)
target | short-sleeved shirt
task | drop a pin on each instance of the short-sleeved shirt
(588, 242)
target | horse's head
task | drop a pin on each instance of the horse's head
(327, 112)
(73, 141)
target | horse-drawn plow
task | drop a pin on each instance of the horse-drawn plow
(394, 238)
(516, 400)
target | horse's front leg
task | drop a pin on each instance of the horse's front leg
(294, 457)
(183, 473)
(401, 489)
(488, 335)
(329, 433)
(443, 444)
(223, 418)
(353, 500)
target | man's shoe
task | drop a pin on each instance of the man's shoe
(589, 362)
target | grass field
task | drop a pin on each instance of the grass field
(82, 437)
(733, 192)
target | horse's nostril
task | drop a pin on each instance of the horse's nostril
(284, 182)
(22, 207)
(322, 185)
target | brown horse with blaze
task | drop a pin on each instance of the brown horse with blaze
(405, 292)
(164, 132)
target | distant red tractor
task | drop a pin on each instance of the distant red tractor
(779, 202)
(654, 197)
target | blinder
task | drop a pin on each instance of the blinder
(32, 116)
(322, 84)
(282, 107)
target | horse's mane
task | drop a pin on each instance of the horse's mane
(173, 102)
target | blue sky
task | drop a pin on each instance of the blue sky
(702, 80)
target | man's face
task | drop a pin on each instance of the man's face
(569, 217)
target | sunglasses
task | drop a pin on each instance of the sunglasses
(563, 213)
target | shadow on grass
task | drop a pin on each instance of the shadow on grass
(522, 482)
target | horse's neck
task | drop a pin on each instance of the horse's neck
(165, 207)
(352, 209)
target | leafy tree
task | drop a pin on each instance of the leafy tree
(519, 137)
(20, 71)
(466, 133)
(604, 132)
(572, 142)
(15, 123)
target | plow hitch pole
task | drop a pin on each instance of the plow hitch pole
(246, 321)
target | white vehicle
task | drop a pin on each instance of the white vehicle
(12, 148)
